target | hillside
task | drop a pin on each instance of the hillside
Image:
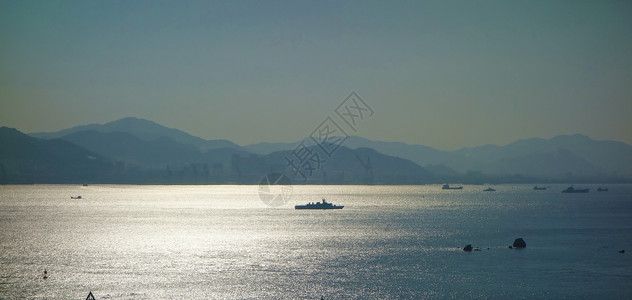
(145, 144)
(145, 130)
(554, 158)
(24, 159)
(362, 165)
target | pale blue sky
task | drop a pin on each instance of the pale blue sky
(445, 74)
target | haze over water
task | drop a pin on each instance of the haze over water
(222, 242)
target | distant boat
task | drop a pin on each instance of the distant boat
(489, 189)
(600, 189)
(539, 188)
(318, 205)
(447, 187)
(571, 189)
(78, 197)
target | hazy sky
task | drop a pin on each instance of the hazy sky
(445, 74)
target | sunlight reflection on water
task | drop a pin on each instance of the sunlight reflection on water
(222, 242)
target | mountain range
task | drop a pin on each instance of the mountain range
(133, 150)
(25, 159)
(143, 129)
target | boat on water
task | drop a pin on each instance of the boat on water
(319, 205)
(600, 189)
(78, 197)
(489, 189)
(571, 189)
(539, 188)
(448, 187)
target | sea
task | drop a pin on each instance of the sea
(389, 242)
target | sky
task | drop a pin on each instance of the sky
(446, 74)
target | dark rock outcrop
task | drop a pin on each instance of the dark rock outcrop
(519, 243)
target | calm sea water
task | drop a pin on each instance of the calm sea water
(223, 242)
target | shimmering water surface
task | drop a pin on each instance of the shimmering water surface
(223, 242)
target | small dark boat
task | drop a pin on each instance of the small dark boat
(448, 187)
(78, 197)
(489, 189)
(600, 189)
(539, 188)
(571, 189)
(318, 205)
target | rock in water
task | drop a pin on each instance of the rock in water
(468, 248)
(519, 243)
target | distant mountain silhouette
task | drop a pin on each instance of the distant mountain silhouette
(556, 164)
(25, 159)
(174, 161)
(158, 153)
(421, 155)
(362, 165)
(126, 147)
(150, 145)
(269, 147)
(585, 156)
(145, 130)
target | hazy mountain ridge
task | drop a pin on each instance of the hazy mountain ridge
(145, 130)
(164, 160)
(158, 153)
(563, 156)
(419, 154)
(604, 157)
(25, 159)
(129, 148)
(590, 157)
(265, 148)
(560, 164)
(363, 165)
